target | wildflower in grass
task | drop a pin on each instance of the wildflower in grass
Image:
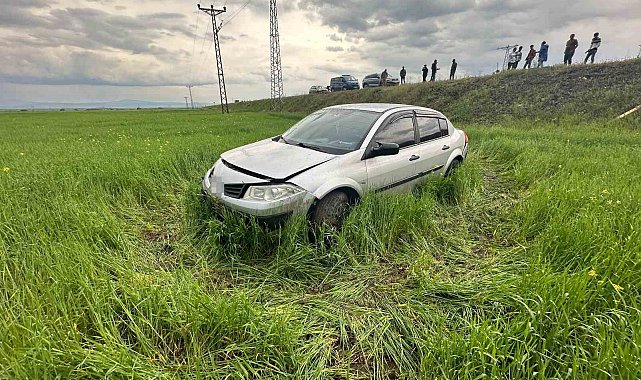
(22, 153)
(605, 191)
(617, 287)
(592, 273)
(601, 282)
(618, 202)
(6, 169)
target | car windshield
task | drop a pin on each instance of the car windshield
(335, 131)
(349, 77)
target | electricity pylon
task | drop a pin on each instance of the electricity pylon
(219, 59)
(274, 58)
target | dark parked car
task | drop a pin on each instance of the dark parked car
(344, 82)
(374, 80)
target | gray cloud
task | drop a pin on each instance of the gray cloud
(334, 48)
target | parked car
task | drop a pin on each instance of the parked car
(318, 89)
(344, 82)
(374, 80)
(329, 159)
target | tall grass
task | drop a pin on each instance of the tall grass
(523, 264)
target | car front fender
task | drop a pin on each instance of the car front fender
(337, 183)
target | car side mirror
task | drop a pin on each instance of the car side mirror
(384, 149)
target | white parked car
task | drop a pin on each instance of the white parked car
(331, 158)
(318, 89)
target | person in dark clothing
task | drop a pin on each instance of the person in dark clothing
(434, 69)
(425, 71)
(403, 73)
(570, 48)
(530, 57)
(594, 46)
(543, 53)
(453, 69)
(384, 76)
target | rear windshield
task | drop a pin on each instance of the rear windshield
(335, 131)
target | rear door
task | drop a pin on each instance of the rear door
(434, 146)
(397, 172)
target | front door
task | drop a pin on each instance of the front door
(397, 172)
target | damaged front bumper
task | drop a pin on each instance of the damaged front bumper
(213, 186)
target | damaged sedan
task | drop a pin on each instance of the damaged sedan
(331, 158)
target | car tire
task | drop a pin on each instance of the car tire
(331, 210)
(453, 166)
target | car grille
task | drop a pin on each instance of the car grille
(234, 190)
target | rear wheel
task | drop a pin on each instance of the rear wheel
(453, 166)
(331, 210)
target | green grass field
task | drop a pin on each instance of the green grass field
(524, 264)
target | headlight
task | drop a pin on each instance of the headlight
(271, 192)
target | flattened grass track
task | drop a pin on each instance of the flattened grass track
(524, 264)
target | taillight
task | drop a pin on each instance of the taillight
(465, 134)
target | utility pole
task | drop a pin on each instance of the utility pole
(191, 97)
(507, 51)
(219, 59)
(274, 57)
(186, 103)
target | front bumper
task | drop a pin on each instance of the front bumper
(269, 211)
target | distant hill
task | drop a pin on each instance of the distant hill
(118, 104)
(599, 90)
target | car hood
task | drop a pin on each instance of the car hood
(271, 160)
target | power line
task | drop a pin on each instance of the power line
(219, 59)
(274, 58)
(233, 15)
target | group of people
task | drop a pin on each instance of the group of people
(571, 45)
(435, 68)
(425, 71)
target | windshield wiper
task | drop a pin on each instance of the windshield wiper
(312, 147)
(281, 138)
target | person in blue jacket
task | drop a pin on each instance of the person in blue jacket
(543, 53)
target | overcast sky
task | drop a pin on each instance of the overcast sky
(99, 50)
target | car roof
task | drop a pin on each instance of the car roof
(384, 107)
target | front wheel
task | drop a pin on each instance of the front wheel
(331, 210)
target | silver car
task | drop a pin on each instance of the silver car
(318, 90)
(331, 158)
(374, 80)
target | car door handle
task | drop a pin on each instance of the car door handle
(414, 157)
(445, 147)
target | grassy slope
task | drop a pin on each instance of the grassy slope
(525, 262)
(602, 90)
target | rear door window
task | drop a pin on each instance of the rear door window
(428, 128)
(444, 127)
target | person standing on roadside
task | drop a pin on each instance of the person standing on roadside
(511, 60)
(403, 73)
(570, 48)
(543, 53)
(453, 69)
(384, 78)
(530, 57)
(425, 71)
(434, 69)
(594, 46)
(519, 56)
